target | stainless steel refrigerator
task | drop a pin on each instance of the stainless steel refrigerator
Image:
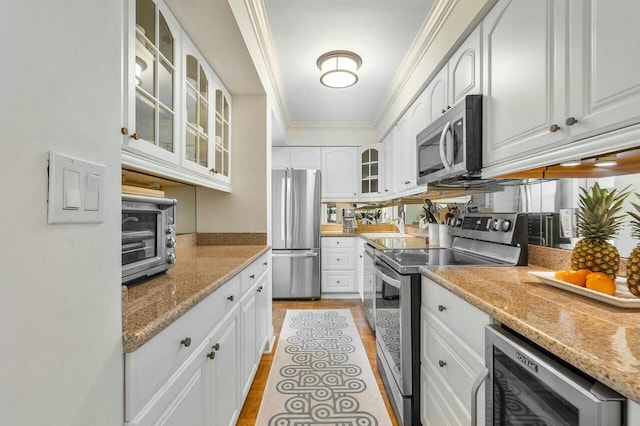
(296, 234)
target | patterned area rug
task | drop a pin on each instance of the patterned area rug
(321, 375)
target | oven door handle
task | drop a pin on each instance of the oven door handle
(443, 155)
(474, 394)
(386, 278)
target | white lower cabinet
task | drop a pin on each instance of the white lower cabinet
(338, 265)
(199, 369)
(451, 356)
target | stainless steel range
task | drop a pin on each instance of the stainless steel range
(493, 239)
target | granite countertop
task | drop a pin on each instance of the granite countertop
(151, 306)
(601, 340)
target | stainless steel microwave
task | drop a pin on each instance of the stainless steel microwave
(450, 148)
(148, 236)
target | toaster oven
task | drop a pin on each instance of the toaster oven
(148, 236)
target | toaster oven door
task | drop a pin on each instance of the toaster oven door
(142, 238)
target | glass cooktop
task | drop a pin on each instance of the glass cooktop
(408, 261)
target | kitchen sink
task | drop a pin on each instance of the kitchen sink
(374, 235)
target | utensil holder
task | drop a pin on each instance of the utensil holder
(434, 234)
(444, 236)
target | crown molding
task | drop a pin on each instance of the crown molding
(438, 15)
(331, 125)
(262, 30)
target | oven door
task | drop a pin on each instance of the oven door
(393, 326)
(526, 386)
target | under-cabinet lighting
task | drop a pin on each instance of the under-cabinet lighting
(606, 161)
(571, 163)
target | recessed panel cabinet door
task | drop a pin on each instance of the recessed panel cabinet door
(464, 69)
(225, 378)
(524, 45)
(604, 66)
(306, 157)
(339, 173)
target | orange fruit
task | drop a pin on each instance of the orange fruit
(599, 281)
(574, 277)
(559, 275)
(585, 273)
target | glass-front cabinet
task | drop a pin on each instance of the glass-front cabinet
(370, 169)
(177, 113)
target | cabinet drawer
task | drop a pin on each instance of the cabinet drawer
(337, 281)
(465, 320)
(337, 242)
(334, 258)
(149, 367)
(252, 273)
(450, 359)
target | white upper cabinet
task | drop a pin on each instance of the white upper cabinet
(437, 96)
(411, 123)
(152, 79)
(604, 68)
(305, 157)
(389, 154)
(557, 72)
(464, 68)
(280, 158)
(177, 113)
(339, 173)
(524, 78)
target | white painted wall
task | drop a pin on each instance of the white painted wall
(60, 332)
(245, 209)
(186, 209)
(327, 135)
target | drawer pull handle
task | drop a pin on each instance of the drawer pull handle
(571, 121)
(554, 128)
(337, 242)
(265, 263)
(216, 347)
(259, 289)
(211, 355)
(252, 276)
(230, 298)
(186, 342)
(441, 363)
(442, 308)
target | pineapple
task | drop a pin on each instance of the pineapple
(633, 265)
(598, 219)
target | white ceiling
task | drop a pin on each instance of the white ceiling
(380, 31)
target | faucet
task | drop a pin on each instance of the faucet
(399, 222)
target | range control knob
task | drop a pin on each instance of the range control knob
(171, 242)
(171, 259)
(505, 226)
(458, 222)
(495, 225)
(169, 230)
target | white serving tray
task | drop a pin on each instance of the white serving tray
(622, 298)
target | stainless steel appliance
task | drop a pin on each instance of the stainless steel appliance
(296, 234)
(349, 223)
(493, 239)
(450, 148)
(527, 386)
(544, 230)
(148, 236)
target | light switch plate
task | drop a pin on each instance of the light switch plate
(86, 192)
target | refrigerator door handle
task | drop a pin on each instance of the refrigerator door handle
(288, 209)
(283, 222)
(304, 254)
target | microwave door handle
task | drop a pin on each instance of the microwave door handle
(474, 394)
(443, 137)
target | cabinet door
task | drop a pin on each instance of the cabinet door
(151, 101)
(222, 141)
(337, 281)
(524, 44)
(305, 157)
(359, 269)
(339, 173)
(604, 66)
(464, 69)
(248, 340)
(184, 400)
(370, 159)
(225, 377)
(405, 147)
(389, 162)
(280, 158)
(263, 307)
(437, 95)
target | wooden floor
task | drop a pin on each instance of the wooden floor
(254, 398)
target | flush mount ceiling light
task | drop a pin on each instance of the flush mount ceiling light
(339, 68)
(606, 161)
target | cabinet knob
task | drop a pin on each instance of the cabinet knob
(407, 182)
(230, 298)
(386, 190)
(252, 276)
(360, 256)
(571, 121)
(444, 110)
(338, 242)
(442, 308)
(338, 259)
(186, 342)
(259, 289)
(136, 136)
(554, 128)
(213, 171)
(216, 347)
(337, 281)
(211, 355)
(448, 107)
(441, 363)
(265, 263)
(124, 131)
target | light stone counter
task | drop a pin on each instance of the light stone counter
(601, 340)
(151, 306)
